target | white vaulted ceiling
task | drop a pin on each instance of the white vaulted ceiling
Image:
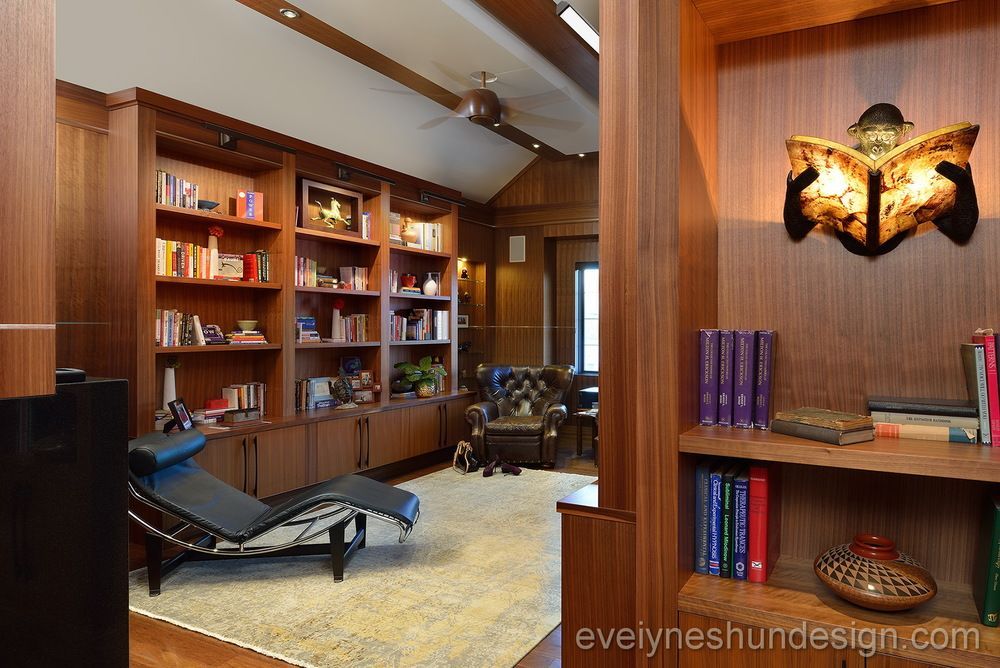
(226, 57)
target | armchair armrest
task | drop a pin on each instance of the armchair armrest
(555, 415)
(477, 415)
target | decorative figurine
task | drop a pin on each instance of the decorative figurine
(342, 392)
(332, 215)
(465, 273)
(214, 234)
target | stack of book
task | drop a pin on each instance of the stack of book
(173, 191)
(819, 424)
(986, 573)
(312, 393)
(180, 259)
(419, 324)
(354, 327)
(737, 528)
(245, 395)
(735, 377)
(208, 415)
(305, 329)
(242, 337)
(951, 420)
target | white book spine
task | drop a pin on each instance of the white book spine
(985, 434)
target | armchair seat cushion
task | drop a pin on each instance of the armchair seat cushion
(515, 425)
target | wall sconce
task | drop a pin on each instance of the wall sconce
(873, 194)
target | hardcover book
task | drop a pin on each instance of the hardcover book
(726, 377)
(926, 420)
(974, 363)
(919, 432)
(708, 351)
(741, 495)
(743, 382)
(958, 407)
(827, 419)
(715, 518)
(822, 434)
(702, 488)
(880, 197)
(764, 522)
(726, 545)
(985, 336)
(762, 381)
(986, 573)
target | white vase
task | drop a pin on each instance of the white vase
(337, 326)
(169, 387)
(430, 286)
(213, 255)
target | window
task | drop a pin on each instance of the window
(587, 295)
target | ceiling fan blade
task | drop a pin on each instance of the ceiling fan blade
(463, 81)
(529, 102)
(394, 92)
(434, 122)
(523, 118)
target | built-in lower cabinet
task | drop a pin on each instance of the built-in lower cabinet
(228, 460)
(339, 447)
(280, 460)
(385, 438)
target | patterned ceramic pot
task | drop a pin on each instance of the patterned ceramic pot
(425, 388)
(870, 572)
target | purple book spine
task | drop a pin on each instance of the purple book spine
(726, 377)
(765, 369)
(709, 381)
(743, 368)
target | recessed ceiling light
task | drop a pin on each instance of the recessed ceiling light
(580, 25)
(581, 154)
(289, 13)
(536, 146)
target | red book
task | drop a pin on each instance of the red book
(992, 386)
(250, 267)
(763, 522)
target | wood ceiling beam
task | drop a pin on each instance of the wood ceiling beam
(315, 29)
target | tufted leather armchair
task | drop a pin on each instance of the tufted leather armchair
(519, 414)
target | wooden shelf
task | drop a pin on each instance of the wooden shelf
(254, 285)
(333, 237)
(420, 343)
(190, 148)
(336, 291)
(199, 216)
(436, 298)
(794, 595)
(907, 456)
(417, 251)
(337, 344)
(241, 347)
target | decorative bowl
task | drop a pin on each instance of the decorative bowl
(207, 204)
(871, 573)
(246, 325)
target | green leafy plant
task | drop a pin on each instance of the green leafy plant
(424, 371)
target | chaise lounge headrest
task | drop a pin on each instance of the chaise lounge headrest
(155, 451)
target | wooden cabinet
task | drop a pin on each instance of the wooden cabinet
(280, 460)
(456, 428)
(228, 460)
(425, 428)
(385, 438)
(338, 447)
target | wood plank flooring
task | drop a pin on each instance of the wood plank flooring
(156, 644)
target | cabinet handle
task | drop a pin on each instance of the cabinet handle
(19, 522)
(444, 426)
(359, 443)
(256, 465)
(368, 435)
(246, 466)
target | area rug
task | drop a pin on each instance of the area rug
(476, 584)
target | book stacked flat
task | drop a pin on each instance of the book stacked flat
(820, 424)
(737, 519)
(305, 329)
(735, 381)
(950, 420)
(241, 337)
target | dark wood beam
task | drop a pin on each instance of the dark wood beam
(535, 22)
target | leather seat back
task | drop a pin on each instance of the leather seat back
(524, 390)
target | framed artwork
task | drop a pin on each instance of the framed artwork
(463, 321)
(182, 419)
(364, 397)
(367, 378)
(327, 208)
(412, 233)
(355, 383)
(351, 365)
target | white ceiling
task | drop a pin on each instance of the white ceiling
(228, 58)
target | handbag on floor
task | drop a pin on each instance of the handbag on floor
(464, 460)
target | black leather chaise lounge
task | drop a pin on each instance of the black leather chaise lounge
(164, 476)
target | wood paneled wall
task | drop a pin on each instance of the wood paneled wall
(887, 325)
(547, 182)
(27, 204)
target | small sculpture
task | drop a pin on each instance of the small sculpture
(342, 392)
(332, 215)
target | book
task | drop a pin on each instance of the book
(708, 354)
(762, 381)
(821, 417)
(701, 508)
(763, 522)
(985, 337)
(957, 407)
(823, 434)
(741, 494)
(726, 377)
(986, 571)
(901, 187)
(726, 530)
(974, 364)
(743, 382)
(924, 433)
(715, 518)
(926, 420)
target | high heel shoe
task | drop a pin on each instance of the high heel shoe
(510, 468)
(491, 467)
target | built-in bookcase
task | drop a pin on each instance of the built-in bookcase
(473, 340)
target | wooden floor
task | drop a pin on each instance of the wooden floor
(156, 644)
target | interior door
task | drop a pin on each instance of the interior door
(227, 459)
(338, 447)
(385, 438)
(280, 461)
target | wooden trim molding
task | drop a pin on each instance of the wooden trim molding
(546, 214)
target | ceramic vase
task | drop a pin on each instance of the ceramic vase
(337, 326)
(169, 387)
(430, 286)
(213, 255)
(425, 388)
(408, 280)
(871, 573)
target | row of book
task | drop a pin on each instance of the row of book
(245, 395)
(735, 377)
(174, 191)
(181, 259)
(351, 328)
(307, 274)
(419, 324)
(317, 392)
(414, 234)
(737, 528)
(979, 359)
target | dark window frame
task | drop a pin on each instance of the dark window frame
(578, 316)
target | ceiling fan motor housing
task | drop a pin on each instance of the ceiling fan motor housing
(481, 106)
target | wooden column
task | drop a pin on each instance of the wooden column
(27, 198)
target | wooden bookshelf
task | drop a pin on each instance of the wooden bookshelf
(888, 455)
(219, 283)
(201, 217)
(333, 237)
(229, 348)
(431, 342)
(337, 291)
(431, 298)
(337, 344)
(395, 248)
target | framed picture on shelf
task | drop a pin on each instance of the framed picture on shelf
(355, 382)
(412, 233)
(351, 365)
(463, 321)
(328, 208)
(364, 397)
(367, 378)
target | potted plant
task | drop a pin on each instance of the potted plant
(425, 376)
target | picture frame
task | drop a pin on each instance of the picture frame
(347, 203)
(367, 378)
(364, 397)
(355, 382)
(412, 232)
(182, 418)
(351, 365)
(463, 321)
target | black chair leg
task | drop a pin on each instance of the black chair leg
(154, 562)
(337, 550)
(360, 527)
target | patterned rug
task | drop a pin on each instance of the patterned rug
(476, 584)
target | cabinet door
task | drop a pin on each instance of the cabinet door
(227, 459)
(338, 447)
(280, 461)
(454, 419)
(426, 428)
(385, 438)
